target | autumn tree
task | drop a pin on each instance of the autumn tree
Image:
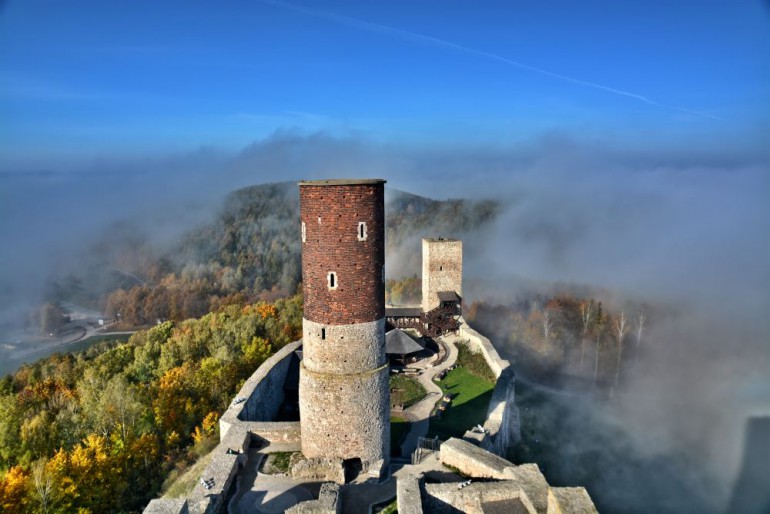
(621, 329)
(13, 491)
(639, 322)
(586, 317)
(44, 487)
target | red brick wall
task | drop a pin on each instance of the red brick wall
(333, 245)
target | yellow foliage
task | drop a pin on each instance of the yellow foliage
(210, 423)
(13, 491)
(266, 310)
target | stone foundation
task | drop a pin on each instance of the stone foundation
(346, 416)
(320, 468)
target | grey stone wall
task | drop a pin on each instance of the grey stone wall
(568, 500)
(502, 423)
(442, 269)
(327, 502)
(317, 469)
(273, 431)
(262, 391)
(346, 416)
(408, 497)
(472, 460)
(343, 349)
(176, 506)
(477, 498)
(482, 344)
(477, 462)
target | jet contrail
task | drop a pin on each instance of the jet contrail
(433, 41)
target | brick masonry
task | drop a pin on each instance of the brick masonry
(442, 269)
(332, 245)
(343, 391)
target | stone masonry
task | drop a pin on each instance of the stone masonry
(442, 270)
(343, 391)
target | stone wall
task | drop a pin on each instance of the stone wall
(408, 497)
(479, 343)
(273, 431)
(504, 487)
(478, 498)
(503, 428)
(442, 270)
(227, 459)
(522, 482)
(317, 468)
(343, 349)
(349, 415)
(176, 506)
(262, 392)
(472, 460)
(566, 500)
(502, 424)
(328, 502)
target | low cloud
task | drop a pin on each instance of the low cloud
(685, 228)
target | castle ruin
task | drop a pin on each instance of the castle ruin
(342, 374)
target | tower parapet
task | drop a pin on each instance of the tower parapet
(343, 391)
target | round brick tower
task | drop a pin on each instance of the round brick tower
(343, 390)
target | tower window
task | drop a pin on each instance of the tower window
(362, 231)
(304, 232)
(323, 333)
(441, 268)
(331, 279)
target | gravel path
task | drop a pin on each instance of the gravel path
(419, 413)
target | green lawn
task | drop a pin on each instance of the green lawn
(467, 409)
(399, 427)
(405, 390)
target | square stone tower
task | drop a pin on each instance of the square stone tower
(343, 388)
(442, 270)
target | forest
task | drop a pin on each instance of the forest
(98, 431)
(562, 337)
(249, 252)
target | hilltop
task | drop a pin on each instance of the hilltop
(250, 250)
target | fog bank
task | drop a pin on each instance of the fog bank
(685, 228)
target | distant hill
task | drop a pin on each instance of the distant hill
(251, 250)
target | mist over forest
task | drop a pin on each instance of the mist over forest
(683, 229)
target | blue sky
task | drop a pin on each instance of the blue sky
(94, 78)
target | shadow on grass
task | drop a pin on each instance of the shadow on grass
(456, 420)
(399, 428)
